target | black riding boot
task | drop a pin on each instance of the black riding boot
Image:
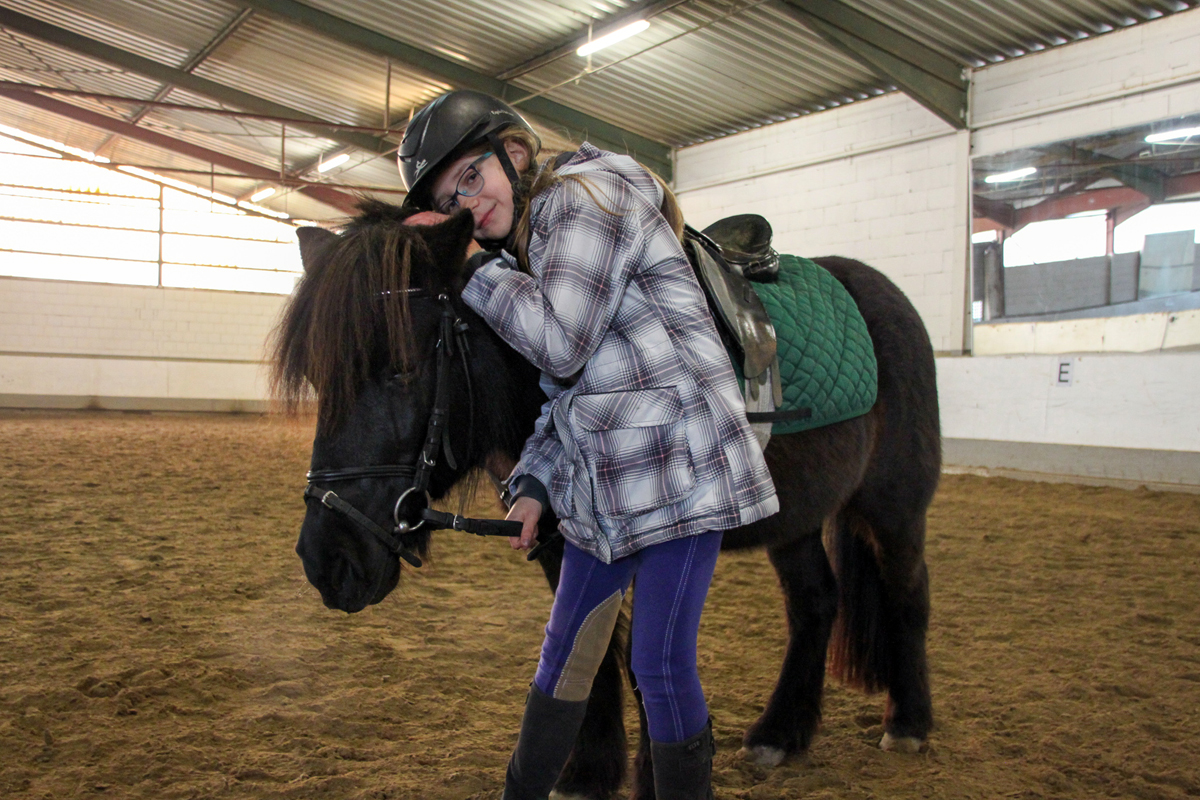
(548, 732)
(683, 770)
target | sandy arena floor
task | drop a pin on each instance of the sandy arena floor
(158, 639)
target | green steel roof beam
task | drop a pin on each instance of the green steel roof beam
(930, 78)
(184, 80)
(653, 154)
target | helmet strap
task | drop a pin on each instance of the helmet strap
(505, 162)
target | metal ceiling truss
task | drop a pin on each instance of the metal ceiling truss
(930, 78)
(217, 112)
(185, 80)
(340, 200)
(1141, 177)
(192, 63)
(655, 155)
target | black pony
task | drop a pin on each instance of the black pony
(362, 330)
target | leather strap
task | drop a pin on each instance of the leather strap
(330, 500)
(479, 527)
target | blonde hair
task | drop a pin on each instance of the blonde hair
(537, 179)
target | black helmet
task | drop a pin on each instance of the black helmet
(453, 122)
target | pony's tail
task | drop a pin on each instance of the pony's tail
(858, 646)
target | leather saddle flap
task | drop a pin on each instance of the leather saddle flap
(735, 304)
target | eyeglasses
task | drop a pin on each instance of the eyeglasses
(470, 183)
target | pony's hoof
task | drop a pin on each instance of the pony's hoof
(763, 756)
(900, 744)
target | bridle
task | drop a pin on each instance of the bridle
(452, 334)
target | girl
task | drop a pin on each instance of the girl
(642, 449)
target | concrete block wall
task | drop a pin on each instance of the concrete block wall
(76, 345)
(1056, 286)
(1132, 76)
(886, 181)
(883, 181)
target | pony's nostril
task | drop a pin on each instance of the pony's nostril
(346, 586)
(343, 575)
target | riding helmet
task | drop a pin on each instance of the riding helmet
(453, 123)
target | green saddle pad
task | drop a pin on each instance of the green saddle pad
(826, 359)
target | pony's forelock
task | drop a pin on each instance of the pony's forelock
(348, 313)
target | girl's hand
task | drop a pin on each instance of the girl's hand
(436, 218)
(527, 511)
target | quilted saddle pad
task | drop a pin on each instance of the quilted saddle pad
(826, 359)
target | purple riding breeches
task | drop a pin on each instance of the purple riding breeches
(672, 584)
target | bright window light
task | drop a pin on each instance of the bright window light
(1056, 240)
(262, 194)
(62, 219)
(333, 163)
(1130, 235)
(1166, 136)
(620, 34)
(983, 237)
(1006, 177)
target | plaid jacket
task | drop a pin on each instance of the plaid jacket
(644, 437)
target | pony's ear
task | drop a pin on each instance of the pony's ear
(313, 242)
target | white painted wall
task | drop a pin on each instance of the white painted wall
(1130, 77)
(887, 182)
(883, 181)
(1149, 402)
(83, 344)
(1133, 333)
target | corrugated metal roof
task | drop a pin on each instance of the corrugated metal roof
(705, 68)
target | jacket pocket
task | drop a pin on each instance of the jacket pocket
(560, 490)
(635, 444)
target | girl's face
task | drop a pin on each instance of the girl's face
(492, 207)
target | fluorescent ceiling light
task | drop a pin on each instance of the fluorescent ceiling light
(262, 194)
(333, 163)
(632, 29)
(1015, 175)
(1167, 136)
(453, 54)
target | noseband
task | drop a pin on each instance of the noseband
(452, 332)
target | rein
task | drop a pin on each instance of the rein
(452, 331)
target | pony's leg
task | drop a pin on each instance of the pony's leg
(596, 767)
(879, 640)
(810, 595)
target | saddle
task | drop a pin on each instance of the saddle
(745, 241)
(741, 317)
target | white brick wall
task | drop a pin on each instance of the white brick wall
(881, 181)
(885, 181)
(56, 317)
(1134, 401)
(85, 340)
(1140, 74)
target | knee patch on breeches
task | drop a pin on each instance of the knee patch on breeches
(588, 649)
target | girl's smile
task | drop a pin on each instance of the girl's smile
(492, 205)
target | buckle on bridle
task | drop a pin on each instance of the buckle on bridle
(325, 499)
